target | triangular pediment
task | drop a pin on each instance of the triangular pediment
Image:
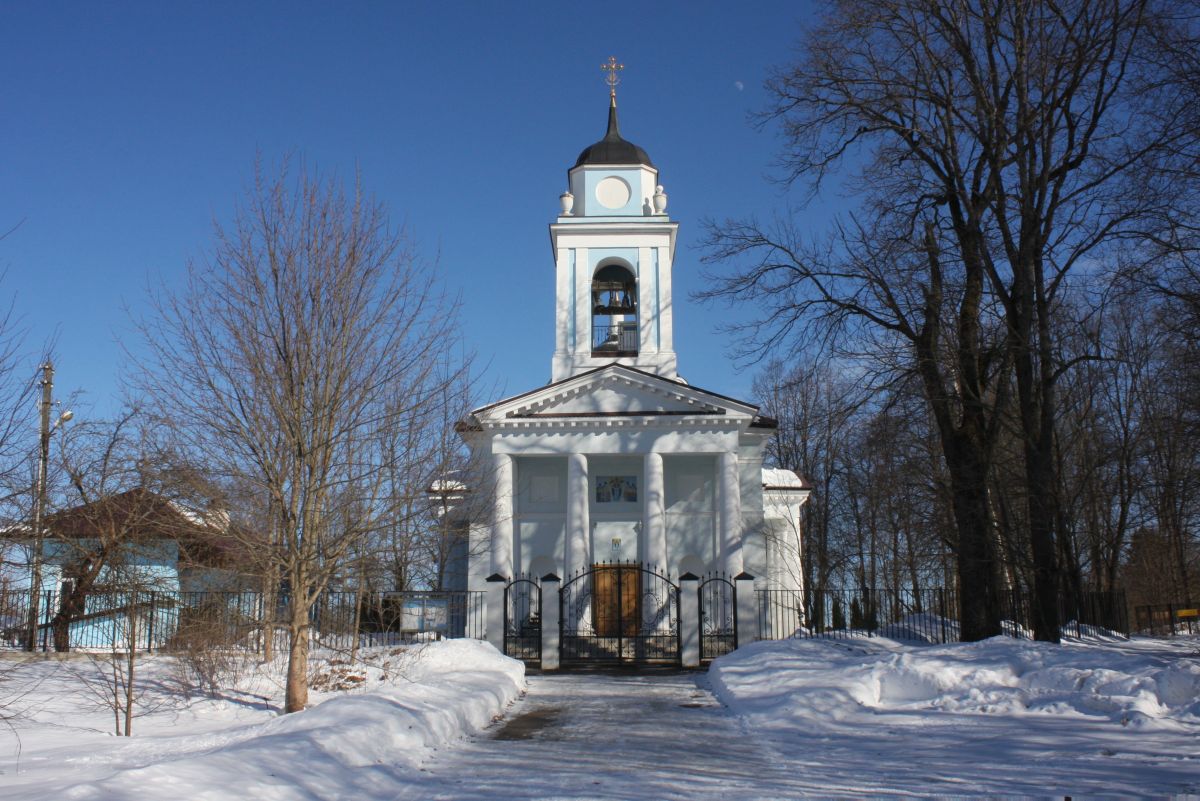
(616, 391)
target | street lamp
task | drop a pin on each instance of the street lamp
(39, 498)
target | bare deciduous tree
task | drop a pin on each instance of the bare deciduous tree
(286, 358)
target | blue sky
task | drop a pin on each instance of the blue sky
(128, 128)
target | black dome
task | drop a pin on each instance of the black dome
(612, 149)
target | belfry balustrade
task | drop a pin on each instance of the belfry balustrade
(615, 340)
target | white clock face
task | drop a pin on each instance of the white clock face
(613, 193)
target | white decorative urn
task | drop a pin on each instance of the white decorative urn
(660, 200)
(568, 202)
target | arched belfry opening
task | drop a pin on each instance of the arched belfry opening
(614, 311)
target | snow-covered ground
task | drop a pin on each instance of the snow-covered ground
(371, 724)
(853, 718)
(1000, 717)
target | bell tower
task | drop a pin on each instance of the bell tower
(613, 249)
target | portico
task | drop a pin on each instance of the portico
(656, 476)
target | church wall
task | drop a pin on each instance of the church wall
(750, 462)
(479, 556)
(785, 538)
(755, 556)
(615, 501)
(540, 504)
(627, 256)
(540, 544)
(689, 485)
(784, 566)
(754, 553)
(456, 572)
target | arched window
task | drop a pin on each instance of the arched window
(614, 311)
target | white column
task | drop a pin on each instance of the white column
(655, 526)
(502, 515)
(577, 550)
(731, 515)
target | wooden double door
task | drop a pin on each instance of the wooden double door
(617, 594)
(619, 612)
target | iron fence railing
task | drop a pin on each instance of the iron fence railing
(926, 615)
(619, 338)
(1093, 612)
(1166, 620)
(168, 620)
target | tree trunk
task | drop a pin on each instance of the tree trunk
(71, 606)
(979, 603)
(357, 627)
(1045, 557)
(130, 665)
(296, 692)
(1037, 407)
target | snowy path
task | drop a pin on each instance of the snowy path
(805, 718)
(588, 736)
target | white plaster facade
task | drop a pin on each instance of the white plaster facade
(618, 459)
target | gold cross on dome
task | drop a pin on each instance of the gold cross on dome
(612, 67)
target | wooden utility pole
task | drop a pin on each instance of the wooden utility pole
(39, 504)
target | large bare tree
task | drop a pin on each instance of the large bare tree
(289, 357)
(994, 149)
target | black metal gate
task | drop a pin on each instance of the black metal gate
(718, 617)
(619, 613)
(523, 619)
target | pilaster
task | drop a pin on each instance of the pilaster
(583, 304)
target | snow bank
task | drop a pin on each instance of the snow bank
(372, 723)
(928, 628)
(999, 675)
(998, 716)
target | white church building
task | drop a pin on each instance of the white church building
(618, 459)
